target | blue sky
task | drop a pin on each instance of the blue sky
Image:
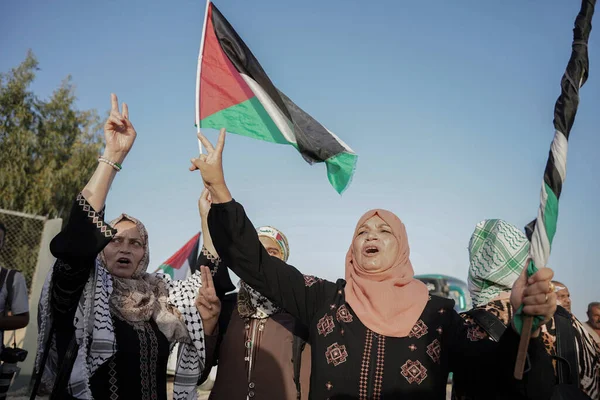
(448, 104)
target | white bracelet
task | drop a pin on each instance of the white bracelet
(115, 165)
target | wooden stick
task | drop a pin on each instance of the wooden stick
(523, 346)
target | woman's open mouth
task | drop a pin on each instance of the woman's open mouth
(370, 250)
(123, 261)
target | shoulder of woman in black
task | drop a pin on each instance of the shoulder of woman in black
(483, 366)
(84, 236)
(76, 248)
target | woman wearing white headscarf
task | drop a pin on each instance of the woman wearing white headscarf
(108, 326)
(262, 350)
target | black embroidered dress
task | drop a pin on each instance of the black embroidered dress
(138, 370)
(349, 361)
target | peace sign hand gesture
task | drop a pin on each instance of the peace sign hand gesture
(211, 164)
(207, 302)
(118, 132)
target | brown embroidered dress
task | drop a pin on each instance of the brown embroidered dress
(349, 361)
(255, 356)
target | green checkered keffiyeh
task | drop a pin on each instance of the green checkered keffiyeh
(498, 252)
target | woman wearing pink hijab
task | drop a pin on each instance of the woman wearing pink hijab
(377, 334)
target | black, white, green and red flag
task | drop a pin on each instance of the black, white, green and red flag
(184, 261)
(541, 231)
(234, 92)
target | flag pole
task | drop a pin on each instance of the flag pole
(541, 231)
(157, 269)
(198, 73)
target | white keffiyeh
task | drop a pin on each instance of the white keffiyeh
(93, 320)
(94, 326)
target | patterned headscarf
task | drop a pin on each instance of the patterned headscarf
(144, 296)
(497, 252)
(278, 237)
(252, 304)
(94, 327)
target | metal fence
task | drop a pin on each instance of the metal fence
(21, 242)
(27, 249)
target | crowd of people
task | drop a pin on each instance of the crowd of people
(107, 326)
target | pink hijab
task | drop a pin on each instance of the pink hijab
(388, 302)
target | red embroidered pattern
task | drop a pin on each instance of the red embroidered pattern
(364, 367)
(379, 368)
(475, 334)
(434, 350)
(418, 330)
(414, 372)
(325, 325)
(336, 354)
(343, 315)
(310, 280)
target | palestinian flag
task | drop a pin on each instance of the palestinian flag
(183, 261)
(234, 92)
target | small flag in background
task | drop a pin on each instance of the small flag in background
(235, 93)
(184, 260)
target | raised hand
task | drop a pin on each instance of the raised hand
(207, 302)
(211, 168)
(119, 135)
(211, 164)
(118, 132)
(204, 203)
(536, 294)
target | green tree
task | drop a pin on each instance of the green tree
(48, 151)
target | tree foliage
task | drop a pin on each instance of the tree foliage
(48, 148)
(48, 151)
